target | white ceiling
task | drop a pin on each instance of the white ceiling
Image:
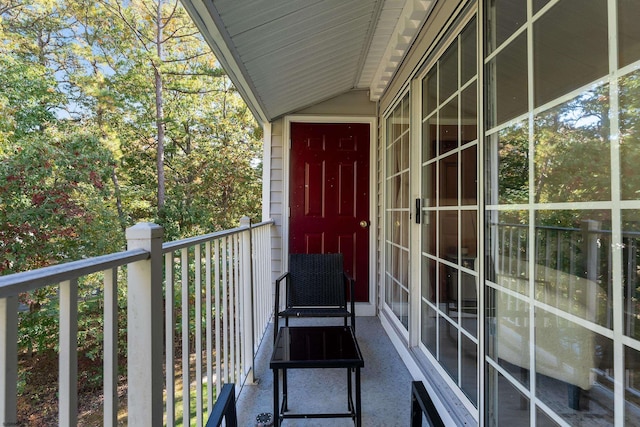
(284, 55)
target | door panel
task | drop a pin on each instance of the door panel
(330, 195)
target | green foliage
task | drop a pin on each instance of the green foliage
(79, 132)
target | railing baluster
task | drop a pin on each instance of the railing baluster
(198, 332)
(184, 266)
(239, 369)
(68, 362)
(8, 360)
(209, 336)
(110, 347)
(225, 308)
(218, 335)
(170, 329)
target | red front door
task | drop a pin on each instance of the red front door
(330, 195)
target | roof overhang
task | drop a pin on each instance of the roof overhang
(286, 55)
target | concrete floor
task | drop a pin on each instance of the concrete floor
(386, 384)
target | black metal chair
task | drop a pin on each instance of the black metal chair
(316, 286)
(421, 404)
(224, 408)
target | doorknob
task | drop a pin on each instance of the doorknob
(364, 224)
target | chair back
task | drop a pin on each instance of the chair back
(316, 280)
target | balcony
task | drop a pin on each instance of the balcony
(220, 289)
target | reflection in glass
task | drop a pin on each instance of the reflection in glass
(630, 135)
(570, 48)
(568, 357)
(539, 4)
(507, 333)
(572, 152)
(507, 83)
(508, 254)
(469, 367)
(572, 266)
(628, 31)
(632, 386)
(631, 271)
(469, 239)
(429, 185)
(506, 405)
(508, 165)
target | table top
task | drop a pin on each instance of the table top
(316, 347)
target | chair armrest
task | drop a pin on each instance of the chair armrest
(224, 408)
(276, 305)
(352, 299)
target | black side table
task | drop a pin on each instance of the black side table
(316, 347)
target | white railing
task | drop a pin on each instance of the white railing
(218, 286)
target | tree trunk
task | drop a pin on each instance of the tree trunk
(159, 110)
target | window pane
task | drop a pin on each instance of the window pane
(469, 364)
(468, 52)
(507, 83)
(429, 138)
(567, 357)
(539, 4)
(468, 303)
(448, 169)
(508, 256)
(429, 233)
(448, 346)
(448, 73)
(469, 114)
(572, 270)
(448, 228)
(569, 47)
(632, 386)
(469, 238)
(429, 279)
(630, 135)
(429, 184)
(508, 165)
(448, 126)
(430, 92)
(469, 175)
(507, 406)
(428, 332)
(504, 18)
(543, 420)
(572, 152)
(628, 31)
(507, 319)
(631, 272)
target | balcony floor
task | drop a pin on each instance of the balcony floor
(386, 383)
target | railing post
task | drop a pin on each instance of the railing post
(144, 327)
(591, 238)
(247, 304)
(8, 360)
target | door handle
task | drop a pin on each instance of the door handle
(364, 223)
(418, 213)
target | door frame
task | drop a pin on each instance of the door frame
(362, 308)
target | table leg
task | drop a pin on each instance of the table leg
(285, 400)
(276, 397)
(358, 402)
